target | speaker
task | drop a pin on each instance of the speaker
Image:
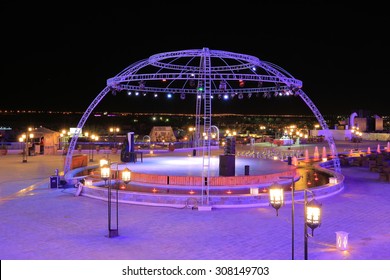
(246, 170)
(54, 181)
(227, 165)
(230, 148)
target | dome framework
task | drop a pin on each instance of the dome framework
(205, 74)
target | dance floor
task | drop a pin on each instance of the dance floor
(193, 166)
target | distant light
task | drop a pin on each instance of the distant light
(225, 96)
(129, 93)
(169, 95)
(156, 95)
(136, 93)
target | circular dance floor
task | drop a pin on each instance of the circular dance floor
(193, 166)
(180, 180)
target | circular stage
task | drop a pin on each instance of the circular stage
(176, 181)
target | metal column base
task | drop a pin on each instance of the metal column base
(113, 233)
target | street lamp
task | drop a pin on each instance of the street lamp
(192, 131)
(312, 216)
(126, 176)
(105, 174)
(276, 197)
(102, 162)
(93, 138)
(312, 211)
(25, 137)
(114, 130)
(24, 154)
(63, 136)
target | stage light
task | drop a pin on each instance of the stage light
(141, 85)
(222, 85)
(182, 96)
(267, 95)
(200, 86)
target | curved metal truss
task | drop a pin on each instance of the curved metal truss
(206, 74)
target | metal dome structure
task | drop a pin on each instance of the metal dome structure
(205, 74)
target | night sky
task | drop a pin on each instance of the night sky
(59, 57)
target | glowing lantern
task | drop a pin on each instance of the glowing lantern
(342, 240)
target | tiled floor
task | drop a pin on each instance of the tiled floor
(38, 222)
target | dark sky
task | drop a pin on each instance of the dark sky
(59, 57)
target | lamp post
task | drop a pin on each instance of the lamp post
(312, 216)
(31, 136)
(192, 134)
(24, 138)
(277, 201)
(105, 174)
(24, 154)
(312, 212)
(114, 130)
(64, 137)
(92, 138)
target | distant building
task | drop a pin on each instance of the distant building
(371, 126)
(366, 123)
(162, 134)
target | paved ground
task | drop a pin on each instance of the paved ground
(40, 223)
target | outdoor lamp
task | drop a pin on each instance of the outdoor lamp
(126, 175)
(313, 214)
(276, 197)
(103, 162)
(105, 172)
